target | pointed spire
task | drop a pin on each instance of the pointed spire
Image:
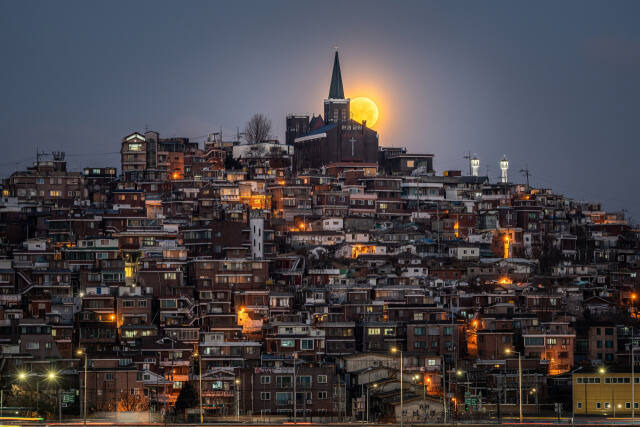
(336, 90)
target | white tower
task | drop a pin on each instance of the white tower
(475, 166)
(504, 167)
(256, 223)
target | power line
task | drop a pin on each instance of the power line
(91, 154)
(16, 162)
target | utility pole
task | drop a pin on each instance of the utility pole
(84, 397)
(444, 389)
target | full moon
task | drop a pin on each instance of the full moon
(363, 108)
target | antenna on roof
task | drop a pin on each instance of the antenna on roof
(525, 172)
(468, 157)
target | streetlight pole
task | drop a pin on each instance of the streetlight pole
(374, 385)
(445, 402)
(59, 404)
(51, 376)
(395, 350)
(237, 382)
(84, 397)
(520, 383)
(508, 351)
(362, 393)
(602, 371)
(200, 385)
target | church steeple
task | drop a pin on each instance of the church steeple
(336, 91)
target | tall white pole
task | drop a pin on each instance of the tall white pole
(200, 386)
(520, 383)
(445, 402)
(633, 386)
(85, 387)
(367, 403)
(237, 401)
(401, 390)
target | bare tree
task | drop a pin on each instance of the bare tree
(257, 129)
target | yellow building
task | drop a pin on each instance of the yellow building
(604, 393)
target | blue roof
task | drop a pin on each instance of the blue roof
(323, 129)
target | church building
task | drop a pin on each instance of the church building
(320, 141)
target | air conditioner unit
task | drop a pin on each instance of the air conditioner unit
(309, 402)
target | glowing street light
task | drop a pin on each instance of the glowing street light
(81, 352)
(237, 382)
(396, 350)
(197, 355)
(509, 351)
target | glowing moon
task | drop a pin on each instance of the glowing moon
(363, 108)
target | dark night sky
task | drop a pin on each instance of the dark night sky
(553, 85)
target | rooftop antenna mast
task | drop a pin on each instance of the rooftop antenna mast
(468, 157)
(39, 154)
(525, 172)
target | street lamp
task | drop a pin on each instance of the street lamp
(197, 355)
(374, 386)
(396, 350)
(50, 376)
(509, 351)
(81, 352)
(237, 382)
(424, 392)
(22, 376)
(534, 391)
